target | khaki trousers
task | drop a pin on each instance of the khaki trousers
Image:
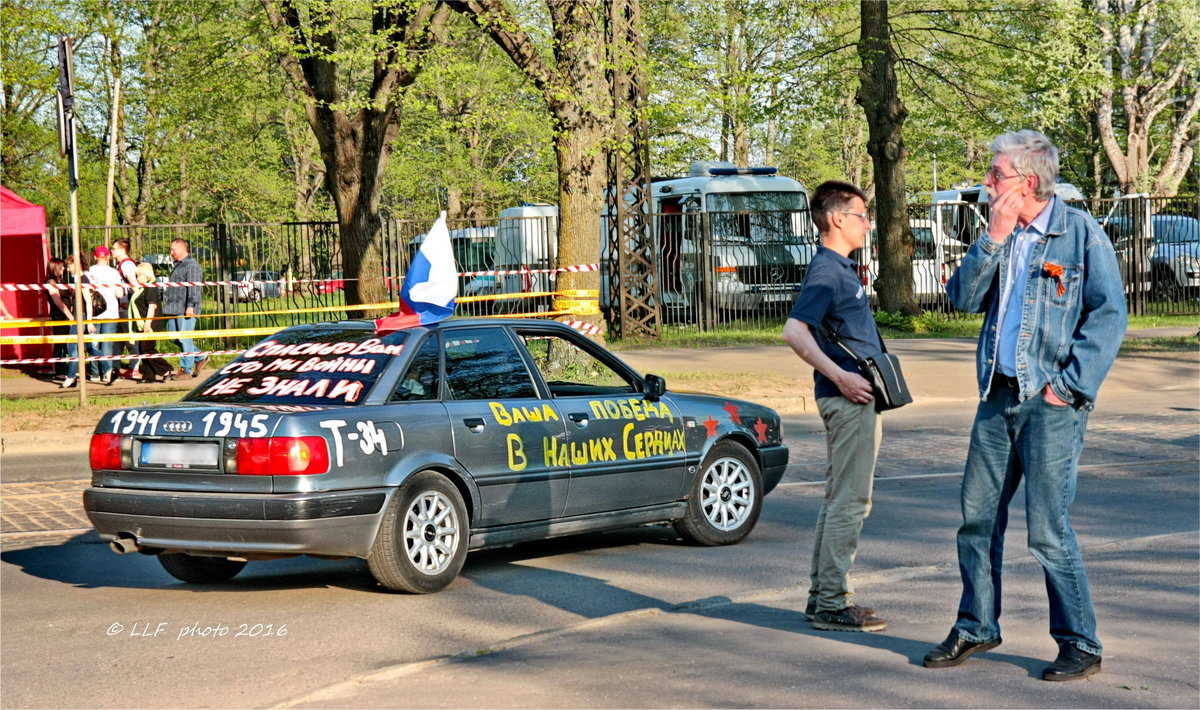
(854, 432)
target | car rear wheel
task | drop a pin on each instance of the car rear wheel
(726, 498)
(200, 570)
(255, 295)
(422, 542)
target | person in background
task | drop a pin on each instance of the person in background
(75, 267)
(126, 267)
(1046, 278)
(182, 303)
(60, 310)
(832, 297)
(109, 286)
(143, 308)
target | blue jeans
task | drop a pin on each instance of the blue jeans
(181, 324)
(105, 348)
(73, 351)
(1041, 443)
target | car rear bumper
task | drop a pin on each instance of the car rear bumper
(774, 463)
(340, 523)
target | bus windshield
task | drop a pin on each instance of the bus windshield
(760, 217)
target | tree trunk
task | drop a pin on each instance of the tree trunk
(577, 95)
(1153, 83)
(886, 114)
(355, 148)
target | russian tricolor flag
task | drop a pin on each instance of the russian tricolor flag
(430, 286)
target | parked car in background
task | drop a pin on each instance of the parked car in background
(1175, 255)
(333, 284)
(409, 448)
(1167, 255)
(935, 257)
(263, 284)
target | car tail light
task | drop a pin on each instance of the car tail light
(105, 452)
(283, 456)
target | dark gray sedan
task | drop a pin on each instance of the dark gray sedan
(412, 447)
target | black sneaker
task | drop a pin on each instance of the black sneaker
(811, 610)
(852, 618)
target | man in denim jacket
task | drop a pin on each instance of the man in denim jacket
(1046, 277)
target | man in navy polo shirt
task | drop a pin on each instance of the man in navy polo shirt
(832, 296)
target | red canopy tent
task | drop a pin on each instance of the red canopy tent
(24, 254)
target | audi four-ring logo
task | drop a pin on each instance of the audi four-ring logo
(177, 427)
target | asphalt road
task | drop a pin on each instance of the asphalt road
(638, 619)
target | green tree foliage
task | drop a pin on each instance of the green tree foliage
(567, 66)
(29, 161)
(476, 138)
(352, 62)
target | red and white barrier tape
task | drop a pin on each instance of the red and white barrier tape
(98, 358)
(585, 328)
(291, 282)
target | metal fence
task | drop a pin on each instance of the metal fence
(714, 270)
(1155, 238)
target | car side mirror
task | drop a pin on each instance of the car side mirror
(655, 387)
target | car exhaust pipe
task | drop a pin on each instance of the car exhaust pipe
(124, 545)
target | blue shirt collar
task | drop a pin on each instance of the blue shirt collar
(1041, 223)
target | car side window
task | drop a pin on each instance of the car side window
(484, 363)
(420, 381)
(570, 370)
(923, 247)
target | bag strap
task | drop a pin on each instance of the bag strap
(830, 335)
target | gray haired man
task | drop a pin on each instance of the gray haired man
(1046, 278)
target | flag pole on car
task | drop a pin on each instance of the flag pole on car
(430, 285)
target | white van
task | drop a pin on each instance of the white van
(935, 257)
(527, 241)
(730, 238)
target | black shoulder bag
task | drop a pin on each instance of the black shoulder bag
(888, 387)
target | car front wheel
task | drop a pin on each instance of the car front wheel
(422, 542)
(726, 498)
(200, 570)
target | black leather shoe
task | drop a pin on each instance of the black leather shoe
(1072, 663)
(956, 649)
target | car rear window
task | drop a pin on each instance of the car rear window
(304, 366)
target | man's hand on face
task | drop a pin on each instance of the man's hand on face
(1005, 210)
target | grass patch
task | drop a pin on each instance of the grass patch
(1180, 343)
(893, 326)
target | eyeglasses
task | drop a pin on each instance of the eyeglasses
(861, 215)
(997, 177)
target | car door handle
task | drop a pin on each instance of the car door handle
(580, 419)
(475, 424)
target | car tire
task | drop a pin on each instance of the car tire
(200, 570)
(255, 295)
(726, 498)
(422, 542)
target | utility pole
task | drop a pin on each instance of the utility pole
(66, 146)
(632, 276)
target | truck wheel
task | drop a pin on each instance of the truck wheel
(726, 498)
(200, 570)
(422, 543)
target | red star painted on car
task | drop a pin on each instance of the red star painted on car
(733, 412)
(762, 431)
(710, 425)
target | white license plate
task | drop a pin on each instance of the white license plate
(179, 455)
